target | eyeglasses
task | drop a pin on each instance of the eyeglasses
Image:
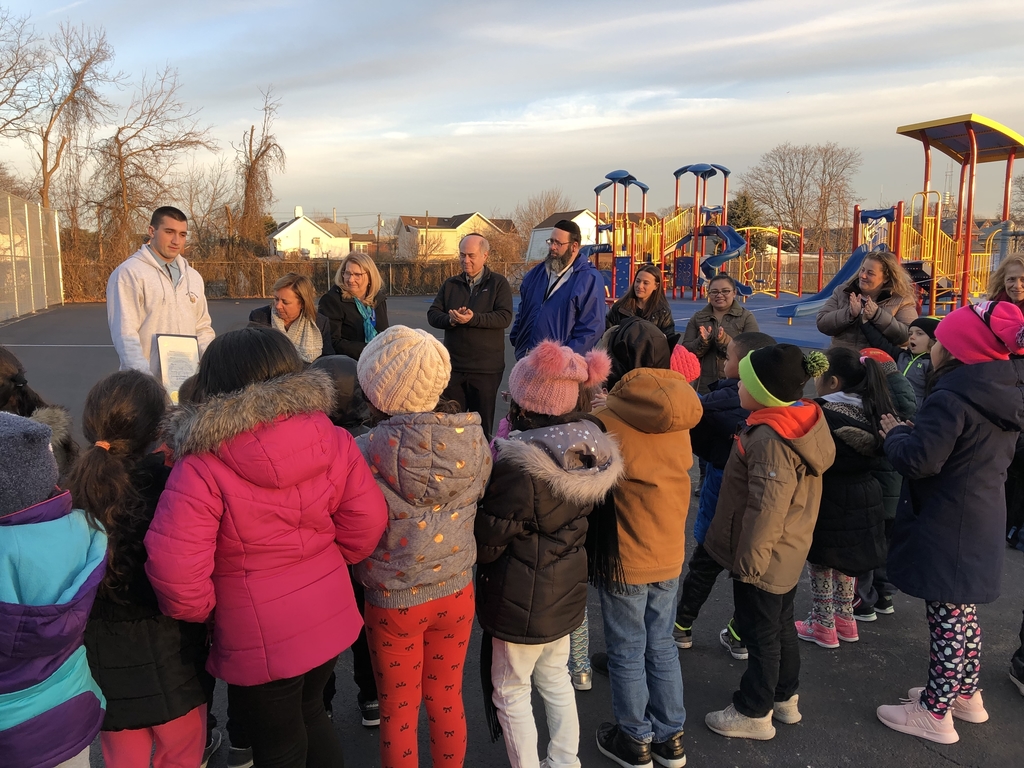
(720, 292)
(346, 273)
(549, 241)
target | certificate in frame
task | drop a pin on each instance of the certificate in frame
(179, 359)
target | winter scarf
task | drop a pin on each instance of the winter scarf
(303, 333)
(369, 320)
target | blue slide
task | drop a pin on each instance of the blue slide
(734, 245)
(811, 305)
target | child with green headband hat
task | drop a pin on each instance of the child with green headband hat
(763, 527)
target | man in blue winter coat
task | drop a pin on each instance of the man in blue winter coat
(561, 299)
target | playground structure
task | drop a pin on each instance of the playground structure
(947, 254)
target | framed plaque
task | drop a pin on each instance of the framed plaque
(179, 359)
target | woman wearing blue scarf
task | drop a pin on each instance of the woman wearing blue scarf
(355, 305)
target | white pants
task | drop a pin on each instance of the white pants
(81, 760)
(512, 666)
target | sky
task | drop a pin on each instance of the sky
(449, 107)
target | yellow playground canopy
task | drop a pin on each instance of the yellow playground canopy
(950, 136)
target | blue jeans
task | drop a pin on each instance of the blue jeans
(643, 662)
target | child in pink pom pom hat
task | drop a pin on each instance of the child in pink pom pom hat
(531, 525)
(947, 542)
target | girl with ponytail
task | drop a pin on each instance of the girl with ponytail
(849, 535)
(151, 668)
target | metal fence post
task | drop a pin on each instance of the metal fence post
(14, 261)
(263, 281)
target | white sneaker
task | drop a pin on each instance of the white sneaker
(729, 722)
(912, 718)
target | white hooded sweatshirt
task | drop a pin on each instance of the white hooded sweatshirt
(142, 303)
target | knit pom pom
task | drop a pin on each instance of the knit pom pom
(599, 365)
(686, 363)
(549, 358)
(1020, 337)
(815, 363)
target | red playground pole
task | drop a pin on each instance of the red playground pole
(778, 266)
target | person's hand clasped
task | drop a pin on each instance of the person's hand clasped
(870, 309)
(855, 305)
(460, 316)
(705, 332)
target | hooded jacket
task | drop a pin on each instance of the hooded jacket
(712, 353)
(432, 469)
(895, 313)
(650, 412)
(51, 564)
(771, 489)
(573, 315)
(531, 525)
(949, 535)
(267, 503)
(142, 303)
(65, 449)
(849, 534)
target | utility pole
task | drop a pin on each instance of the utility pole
(377, 249)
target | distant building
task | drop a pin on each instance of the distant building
(437, 237)
(538, 249)
(365, 243)
(304, 238)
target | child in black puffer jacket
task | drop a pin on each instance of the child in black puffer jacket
(531, 564)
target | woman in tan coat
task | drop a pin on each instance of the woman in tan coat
(882, 294)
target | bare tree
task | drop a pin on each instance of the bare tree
(1017, 201)
(11, 182)
(538, 207)
(77, 68)
(21, 58)
(258, 156)
(206, 194)
(135, 163)
(809, 186)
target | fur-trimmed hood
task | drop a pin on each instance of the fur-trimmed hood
(578, 462)
(204, 428)
(57, 418)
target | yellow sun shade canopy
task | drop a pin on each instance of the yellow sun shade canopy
(949, 136)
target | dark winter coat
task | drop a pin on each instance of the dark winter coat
(660, 317)
(948, 538)
(261, 316)
(479, 345)
(893, 318)
(723, 417)
(712, 353)
(573, 315)
(914, 368)
(530, 529)
(850, 532)
(347, 334)
(150, 667)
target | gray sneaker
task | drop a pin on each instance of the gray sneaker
(583, 680)
(213, 742)
(729, 722)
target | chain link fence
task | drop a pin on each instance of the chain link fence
(30, 268)
(256, 278)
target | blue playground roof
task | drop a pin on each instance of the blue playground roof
(949, 136)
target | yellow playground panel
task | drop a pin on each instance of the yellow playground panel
(959, 262)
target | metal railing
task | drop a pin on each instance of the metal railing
(255, 278)
(30, 269)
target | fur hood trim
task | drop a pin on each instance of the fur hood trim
(576, 486)
(57, 418)
(862, 441)
(194, 429)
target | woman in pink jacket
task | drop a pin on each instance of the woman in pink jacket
(267, 504)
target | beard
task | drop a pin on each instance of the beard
(557, 263)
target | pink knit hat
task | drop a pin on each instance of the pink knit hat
(983, 332)
(686, 363)
(548, 379)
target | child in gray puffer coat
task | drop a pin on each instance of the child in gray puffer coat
(432, 468)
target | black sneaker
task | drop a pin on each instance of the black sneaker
(370, 710)
(731, 641)
(682, 636)
(670, 753)
(621, 748)
(599, 663)
(863, 612)
(884, 605)
(1017, 678)
(213, 742)
(240, 757)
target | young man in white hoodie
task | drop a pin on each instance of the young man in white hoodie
(155, 291)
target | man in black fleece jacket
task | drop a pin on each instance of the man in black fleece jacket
(474, 308)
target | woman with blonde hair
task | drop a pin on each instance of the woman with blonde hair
(882, 294)
(294, 314)
(355, 305)
(1007, 282)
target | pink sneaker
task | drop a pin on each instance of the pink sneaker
(910, 717)
(970, 710)
(813, 632)
(846, 629)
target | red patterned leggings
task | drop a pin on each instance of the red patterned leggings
(419, 653)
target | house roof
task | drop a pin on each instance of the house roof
(453, 222)
(554, 218)
(328, 228)
(335, 229)
(364, 238)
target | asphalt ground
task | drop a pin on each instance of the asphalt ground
(67, 350)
